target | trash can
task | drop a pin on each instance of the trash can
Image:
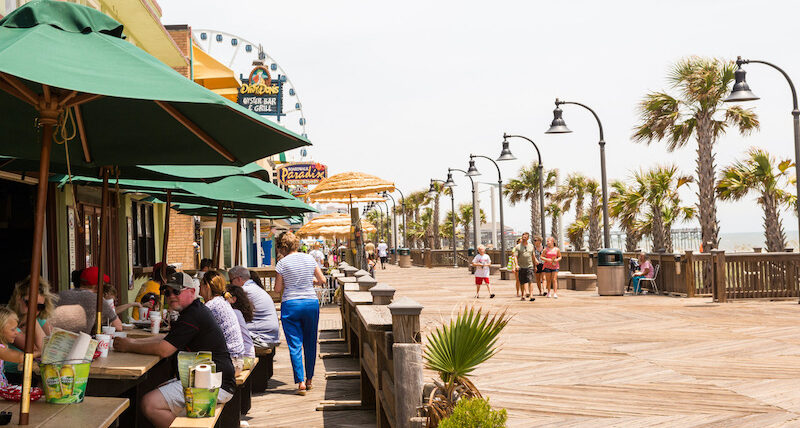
(405, 257)
(610, 272)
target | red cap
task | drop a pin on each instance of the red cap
(89, 276)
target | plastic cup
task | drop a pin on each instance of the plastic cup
(155, 323)
(104, 343)
(143, 312)
(109, 330)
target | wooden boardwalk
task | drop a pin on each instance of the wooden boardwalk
(586, 360)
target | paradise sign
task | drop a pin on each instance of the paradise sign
(302, 173)
(261, 94)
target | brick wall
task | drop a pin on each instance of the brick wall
(182, 35)
(181, 238)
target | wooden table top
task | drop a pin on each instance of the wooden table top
(99, 412)
(245, 373)
(375, 317)
(122, 365)
(358, 297)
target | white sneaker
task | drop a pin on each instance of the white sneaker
(555, 296)
(548, 295)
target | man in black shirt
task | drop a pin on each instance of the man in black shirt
(195, 330)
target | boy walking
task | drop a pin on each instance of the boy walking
(481, 262)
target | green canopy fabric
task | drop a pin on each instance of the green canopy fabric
(137, 118)
(235, 188)
(211, 211)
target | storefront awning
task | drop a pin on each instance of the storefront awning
(214, 75)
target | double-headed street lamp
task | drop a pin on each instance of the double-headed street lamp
(475, 213)
(506, 155)
(432, 194)
(403, 207)
(394, 218)
(557, 126)
(741, 92)
(472, 171)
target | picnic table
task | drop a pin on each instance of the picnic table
(128, 375)
(94, 412)
(225, 415)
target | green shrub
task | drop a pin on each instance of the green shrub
(475, 413)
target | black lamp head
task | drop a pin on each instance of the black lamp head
(505, 154)
(472, 171)
(449, 182)
(741, 90)
(431, 191)
(558, 126)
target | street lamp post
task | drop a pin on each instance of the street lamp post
(741, 92)
(472, 171)
(394, 219)
(475, 213)
(432, 193)
(505, 155)
(389, 230)
(557, 126)
(403, 207)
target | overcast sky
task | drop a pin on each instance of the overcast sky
(404, 90)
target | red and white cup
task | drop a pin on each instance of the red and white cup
(103, 344)
(155, 322)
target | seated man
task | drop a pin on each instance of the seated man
(645, 271)
(86, 298)
(195, 330)
(264, 327)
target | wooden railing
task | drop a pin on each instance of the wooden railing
(765, 275)
(384, 334)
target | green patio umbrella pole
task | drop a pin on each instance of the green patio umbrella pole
(101, 264)
(47, 121)
(217, 237)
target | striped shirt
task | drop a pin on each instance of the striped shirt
(297, 271)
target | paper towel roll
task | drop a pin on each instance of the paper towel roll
(202, 376)
(78, 351)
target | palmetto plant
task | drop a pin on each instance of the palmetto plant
(761, 173)
(697, 111)
(525, 187)
(454, 350)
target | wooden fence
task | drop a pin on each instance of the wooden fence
(746, 275)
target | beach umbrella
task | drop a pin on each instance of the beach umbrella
(370, 197)
(348, 185)
(67, 74)
(332, 225)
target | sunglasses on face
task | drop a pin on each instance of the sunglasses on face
(172, 292)
(39, 306)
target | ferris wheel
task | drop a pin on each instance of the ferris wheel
(241, 56)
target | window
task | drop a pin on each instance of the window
(144, 246)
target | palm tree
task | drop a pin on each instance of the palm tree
(625, 205)
(464, 216)
(446, 228)
(761, 173)
(661, 185)
(574, 190)
(554, 210)
(576, 230)
(593, 190)
(526, 188)
(454, 351)
(698, 110)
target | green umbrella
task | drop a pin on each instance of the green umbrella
(67, 74)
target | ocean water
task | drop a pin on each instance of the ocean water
(746, 241)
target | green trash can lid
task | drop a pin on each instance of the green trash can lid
(610, 257)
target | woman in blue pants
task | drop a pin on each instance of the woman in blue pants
(297, 273)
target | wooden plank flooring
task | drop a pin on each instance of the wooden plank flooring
(589, 361)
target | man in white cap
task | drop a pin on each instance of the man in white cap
(195, 330)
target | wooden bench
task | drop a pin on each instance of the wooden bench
(244, 382)
(94, 412)
(262, 370)
(506, 274)
(584, 282)
(565, 280)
